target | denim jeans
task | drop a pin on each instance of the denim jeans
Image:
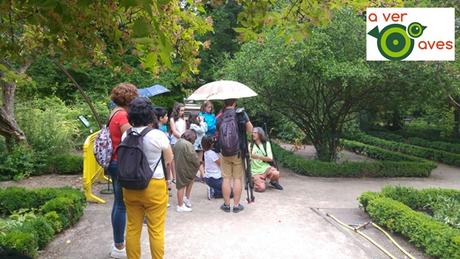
(216, 185)
(118, 208)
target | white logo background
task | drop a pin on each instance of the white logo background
(440, 23)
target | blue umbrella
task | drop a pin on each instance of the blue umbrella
(153, 90)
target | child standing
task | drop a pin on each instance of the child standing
(187, 165)
(207, 113)
(212, 173)
(199, 126)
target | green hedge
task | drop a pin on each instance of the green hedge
(427, 153)
(378, 153)
(33, 217)
(307, 167)
(440, 145)
(437, 239)
(66, 164)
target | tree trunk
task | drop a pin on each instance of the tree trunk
(82, 92)
(326, 146)
(8, 125)
(456, 129)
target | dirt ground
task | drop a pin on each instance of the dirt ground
(281, 224)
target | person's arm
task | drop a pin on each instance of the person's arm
(125, 127)
(268, 158)
(168, 155)
(172, 124)
(249, 128)
(217, 162)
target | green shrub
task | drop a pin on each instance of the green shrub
(15, 198)
(376, 152)
(303, 166)
(427, 153)
(21, 242)
(36, 215)
(444, 204)
(449, 147)
(50, 126)
(53, 218)
(19, 163)
(437, 239)
(41, 228)
(66, 164)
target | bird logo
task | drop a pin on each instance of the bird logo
(395, 42)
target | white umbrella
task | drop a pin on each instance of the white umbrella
(222, 90)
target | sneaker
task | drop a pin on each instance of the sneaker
(187, 202)
(238, 208)
(208, 192)
(183, 208)
(173, 181)
(169, 205)
(118, 253)
(276, 185)
(225, 207)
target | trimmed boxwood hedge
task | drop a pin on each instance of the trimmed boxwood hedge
(437, 239)
(66, 164)
(427, 153)
(440, 145)
(307, 167)
(50, 210)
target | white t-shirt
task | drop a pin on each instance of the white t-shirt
(180, 126)
(154, 143)
(211, 169)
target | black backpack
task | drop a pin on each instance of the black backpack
(134, 171)
(229, 139)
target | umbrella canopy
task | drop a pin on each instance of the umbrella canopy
(152, 91)
(222, 90)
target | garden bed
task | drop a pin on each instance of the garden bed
(408, 211)
(397, 168)
(31, 218)
(417, 151)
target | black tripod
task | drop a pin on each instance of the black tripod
(249, 185)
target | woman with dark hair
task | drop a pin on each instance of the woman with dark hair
(177, 126)
(261, 156)
(187, 164)
(121, 95)
(207, 113)
(152, 201)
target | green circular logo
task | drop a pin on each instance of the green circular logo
(415, 29)
(394, 43)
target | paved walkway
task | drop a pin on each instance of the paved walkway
(281, 224)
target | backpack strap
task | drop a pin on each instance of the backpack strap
(111, 117)
(145, 131)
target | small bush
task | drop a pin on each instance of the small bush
(19, 163)
(37, 216)
(20, 242)
(437, 239)
(41, 228)
(445, 146)
(303, 166)
(66, 164)
(427, 153)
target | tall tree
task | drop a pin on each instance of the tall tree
(161, 33)
(318, 83)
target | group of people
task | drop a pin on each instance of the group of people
(179, 151)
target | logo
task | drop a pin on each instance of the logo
(410, 34)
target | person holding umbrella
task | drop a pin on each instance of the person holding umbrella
(232, 128)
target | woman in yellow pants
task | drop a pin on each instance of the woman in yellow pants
(152, 201)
